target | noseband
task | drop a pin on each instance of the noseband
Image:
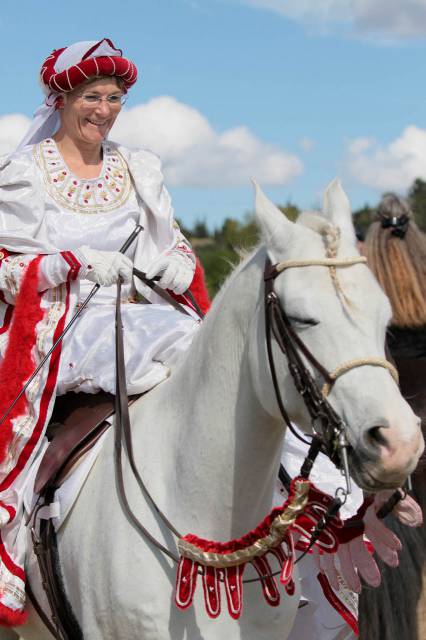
(329, 429)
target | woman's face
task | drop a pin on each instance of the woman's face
(86, 119)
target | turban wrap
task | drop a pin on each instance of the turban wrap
(61, 73)
(65, 69)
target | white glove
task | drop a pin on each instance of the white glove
(176, 271)
(104, 267)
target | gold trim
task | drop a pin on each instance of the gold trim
(85, 209)
(277, 532)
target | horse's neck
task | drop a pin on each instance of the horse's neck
(221, 450)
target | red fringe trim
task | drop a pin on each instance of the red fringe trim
(18, 364)
(11, 618)
(247, 539)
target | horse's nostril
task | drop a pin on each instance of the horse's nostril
(375, 437)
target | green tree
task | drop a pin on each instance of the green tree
(218, 262)
(417, 199)
(290, 210)
(200, 230)
(362, 219)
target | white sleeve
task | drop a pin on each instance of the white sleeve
(55, 269)
(22, 206)
(182, 246)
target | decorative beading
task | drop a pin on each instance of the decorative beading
(95, 195)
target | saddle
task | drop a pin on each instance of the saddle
(77, 423)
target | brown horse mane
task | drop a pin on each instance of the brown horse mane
(399, 263)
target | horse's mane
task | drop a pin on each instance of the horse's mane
(399, 263)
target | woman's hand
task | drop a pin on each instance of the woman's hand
(104, 267)
(175, 269)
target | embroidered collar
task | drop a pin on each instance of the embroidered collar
(105, 193)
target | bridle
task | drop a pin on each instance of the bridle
(329, 429)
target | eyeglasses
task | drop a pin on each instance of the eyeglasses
(93, 100)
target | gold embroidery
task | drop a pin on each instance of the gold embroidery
(98, 195)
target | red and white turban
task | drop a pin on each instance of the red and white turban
(65, 69)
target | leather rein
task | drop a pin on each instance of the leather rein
(331, 437)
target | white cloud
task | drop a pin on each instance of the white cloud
(307, 10)
(384, 19)
(307, 144)
(390, 167)
(12, 129)
(359, 145)
(194, 154)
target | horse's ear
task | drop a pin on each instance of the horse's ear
(337, 209)
(276, 227)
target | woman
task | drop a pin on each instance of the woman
(396, 252)
(69, 199)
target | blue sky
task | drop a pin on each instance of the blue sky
(292, 92)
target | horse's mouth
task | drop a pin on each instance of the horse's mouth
(370, 476)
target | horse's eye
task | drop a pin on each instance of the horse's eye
(303, 322)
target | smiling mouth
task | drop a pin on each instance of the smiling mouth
(96, 124)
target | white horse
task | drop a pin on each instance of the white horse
(208, 441)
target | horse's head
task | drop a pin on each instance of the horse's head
(341, 314)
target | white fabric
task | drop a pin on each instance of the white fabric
(104, 267)
(46, 119)
(45, 122)
(73, 54)
(155, 336)
(32, 222)
(324, 475)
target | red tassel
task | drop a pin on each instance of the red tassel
(186, 581)
(212, 591)
(269, 586)
(234, 590)
(11, 617)
(286, 560)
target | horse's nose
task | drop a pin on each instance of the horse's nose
(396, 447)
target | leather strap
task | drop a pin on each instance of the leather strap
(41, 613)
(320, 410)
(123, 433)
(45, 547)
(165, 295)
